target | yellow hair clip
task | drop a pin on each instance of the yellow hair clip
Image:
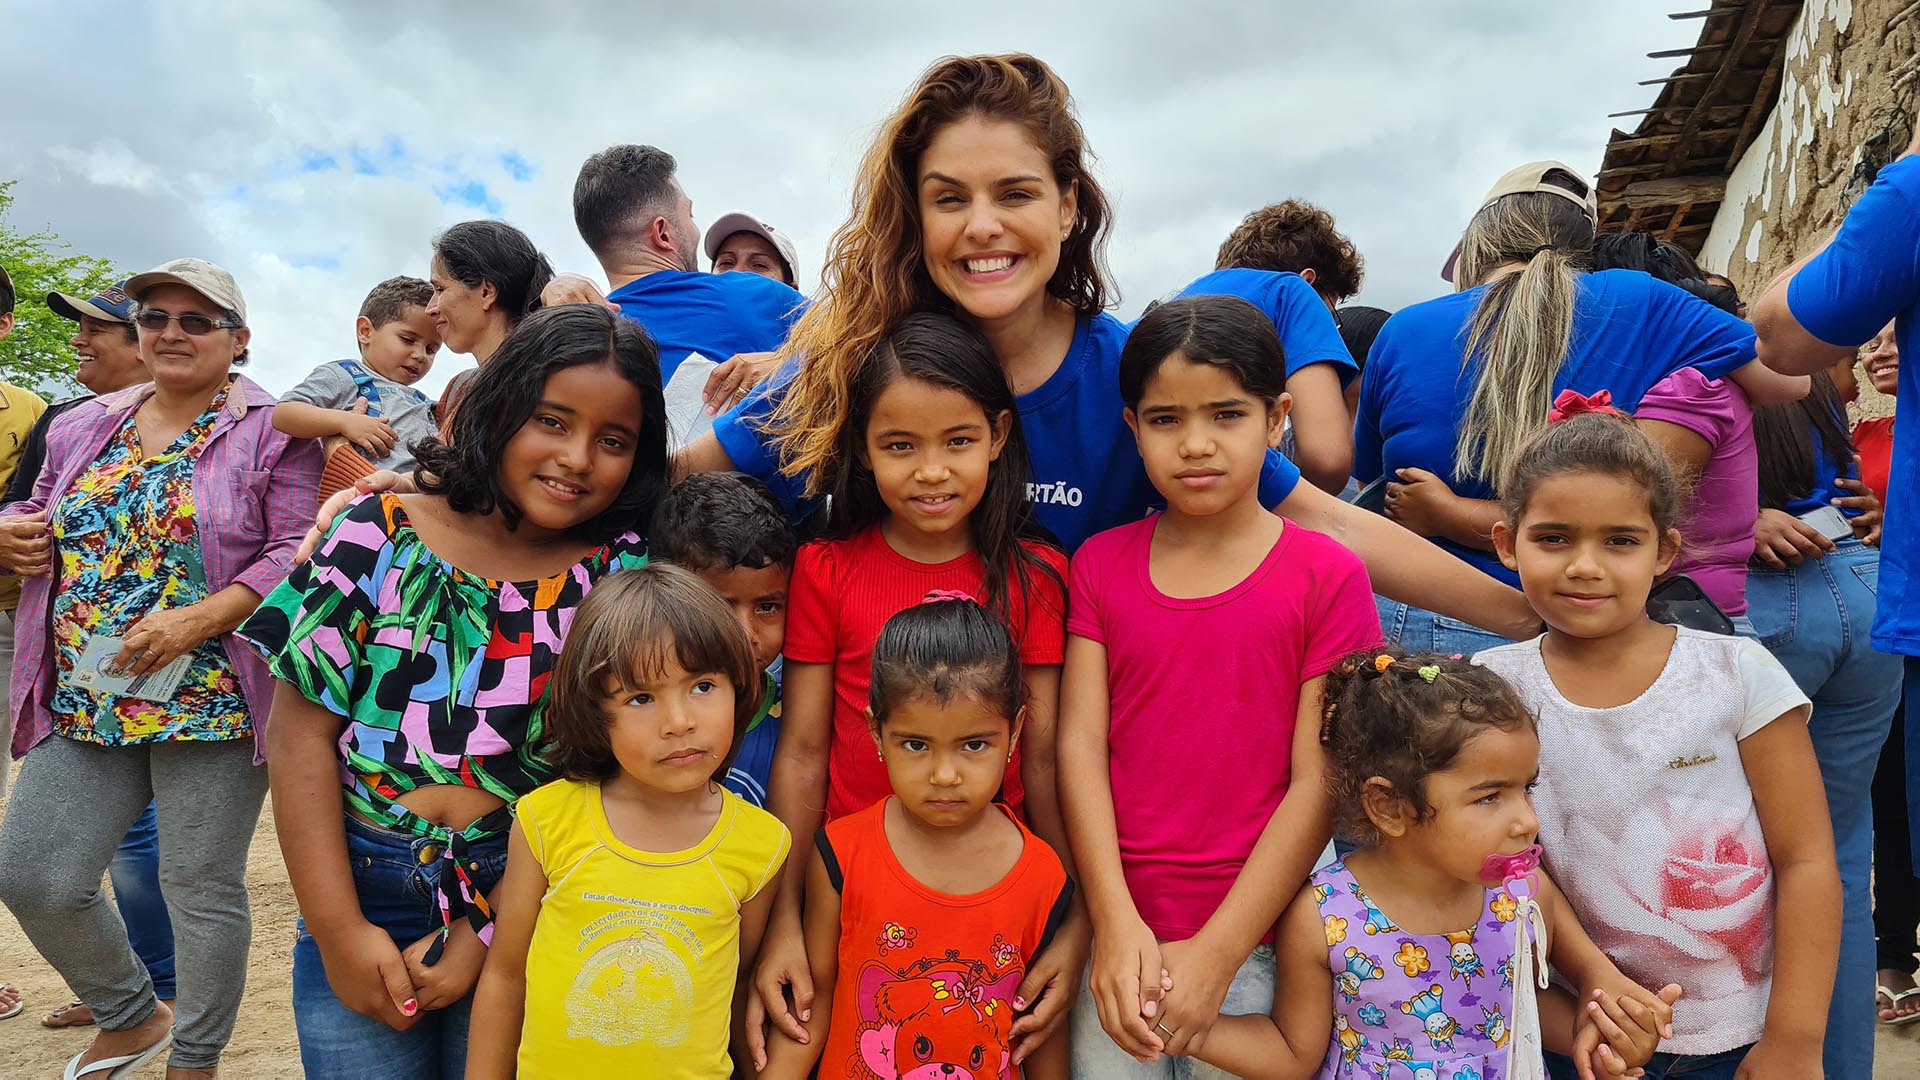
(1429, 673)
(1382, 662)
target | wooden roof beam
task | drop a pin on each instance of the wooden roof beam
(1763, 105)
(1743, 38)
(1668, 190)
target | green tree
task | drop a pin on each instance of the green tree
(37, 355)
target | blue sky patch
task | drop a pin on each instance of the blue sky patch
(517, 167)
(468, 193)
(317, 161)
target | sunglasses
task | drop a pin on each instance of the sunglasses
(191, 323)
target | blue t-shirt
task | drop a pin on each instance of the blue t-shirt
(1629, 332)
(1825, 472)
(714, 315)
(1844, 296)
(1308, 334)
(1085, 474)
(753, 765)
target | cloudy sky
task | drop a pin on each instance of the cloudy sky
(315, 148)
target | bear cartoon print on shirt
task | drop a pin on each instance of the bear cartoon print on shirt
(938, 1019)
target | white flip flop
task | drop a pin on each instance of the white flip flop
(114, 1068)
(19, 1006)
(1894, 1000)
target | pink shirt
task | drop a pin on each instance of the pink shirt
(1204, 695)
(1718, 526)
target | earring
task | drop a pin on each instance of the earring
(879, 753)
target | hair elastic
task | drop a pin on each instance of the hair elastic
(1538, 250)
(1382, 662)
(1429, 673)
(939, 596)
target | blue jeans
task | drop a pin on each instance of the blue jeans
(135, 871)
(1419, 630)
(1719, 1066)
(1815, 619)
(1097, 1057)
(394, 875)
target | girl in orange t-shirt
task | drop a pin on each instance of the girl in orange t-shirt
(923, 910)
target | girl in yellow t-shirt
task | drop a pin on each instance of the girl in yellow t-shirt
(636, 888)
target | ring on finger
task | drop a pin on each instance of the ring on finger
(1163, 1028)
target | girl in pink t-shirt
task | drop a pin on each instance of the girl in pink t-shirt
(1195, 639)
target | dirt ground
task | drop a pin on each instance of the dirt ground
(263, 1041)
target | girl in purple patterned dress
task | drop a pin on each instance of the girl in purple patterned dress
(1429, 765)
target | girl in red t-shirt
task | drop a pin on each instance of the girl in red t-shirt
(1873, 439)
(924, 909)
(928, 485)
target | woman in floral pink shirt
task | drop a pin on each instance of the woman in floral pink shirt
(165, 511)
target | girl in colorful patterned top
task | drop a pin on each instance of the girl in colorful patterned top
(924, 909)
(636, 888)
(1402, 961)
(413, 654)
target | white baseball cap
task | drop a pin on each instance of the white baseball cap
(742, 222)
(203, 277)
(1527, 179)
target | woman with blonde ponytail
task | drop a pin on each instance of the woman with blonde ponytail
(1457, 385)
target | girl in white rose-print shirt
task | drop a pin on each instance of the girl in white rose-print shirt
(1679, 800)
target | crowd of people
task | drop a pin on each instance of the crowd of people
(939, 676)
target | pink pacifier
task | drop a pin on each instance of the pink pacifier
(1508, 869)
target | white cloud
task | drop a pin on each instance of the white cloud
(203, 127)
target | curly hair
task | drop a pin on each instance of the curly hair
(1295, 236)
(721, 521)
(876, 273)
(1384, 718)
(389, 300)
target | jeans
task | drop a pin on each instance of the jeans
(394, 876)
(1097, 1057)
(1719, 1066)
(135, 871)
(70, 811)
(1815, 619)
(1419, 630)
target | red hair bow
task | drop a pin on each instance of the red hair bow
(1573, 403)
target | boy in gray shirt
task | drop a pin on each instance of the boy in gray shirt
(366, 411)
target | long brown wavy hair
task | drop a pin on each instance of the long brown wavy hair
(876, 273)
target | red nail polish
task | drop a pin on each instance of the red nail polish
(410, 1006)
